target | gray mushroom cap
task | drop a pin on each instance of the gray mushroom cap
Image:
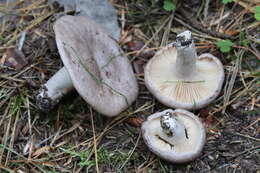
(98, 68)
(187, 139)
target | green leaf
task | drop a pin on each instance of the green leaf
(257, 9)
(245, 43)
(2, 38)
(168, 5)
(224, 45)
(242, 39)
(257, 13)
(226, 1)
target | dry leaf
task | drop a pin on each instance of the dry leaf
(136, 121)
(14, 58)
(68, 161)
(25, 129)
(30, 146)
(41, 151)
(139, 66)
(147, 53)
(231, 32)
(49, 164)
(204, 113)
(208, 121)
(125, 37)
(135, 45)
(207, 118)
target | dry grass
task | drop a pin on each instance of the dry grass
(75, 138)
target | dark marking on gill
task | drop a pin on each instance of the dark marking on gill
(186, 134)
(172, 146)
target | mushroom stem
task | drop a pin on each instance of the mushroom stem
(54, 89)
(172, 128)
(186, 56)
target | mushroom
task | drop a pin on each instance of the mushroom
(94, 65)
(176, 136)
(180, 79)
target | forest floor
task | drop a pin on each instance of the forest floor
(75, 138)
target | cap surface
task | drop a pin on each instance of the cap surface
(99, 70)
(175, 151)
(195, 93)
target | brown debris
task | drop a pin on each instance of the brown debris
(40, 151)
(14, 58)
(135, 122)
(139, 66)
(206, 117)
(135, 45)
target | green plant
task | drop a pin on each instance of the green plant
(168, 5)
(17, 103)
(257, 13)
(243, 41)
(224, 45)
(112, 159)
(53, 171)
(83, 155)
(2, 38)
(226, 1)
(67, 110)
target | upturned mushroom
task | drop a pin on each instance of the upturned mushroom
(176, 136)
(94, 65)
(180, 79)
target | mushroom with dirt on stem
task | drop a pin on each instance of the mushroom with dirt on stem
(180, 79)
(94, 65)
(176, 136)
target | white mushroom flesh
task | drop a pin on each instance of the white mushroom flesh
(172, 128)
(180, 146)
(180, 79)
(203, 84)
